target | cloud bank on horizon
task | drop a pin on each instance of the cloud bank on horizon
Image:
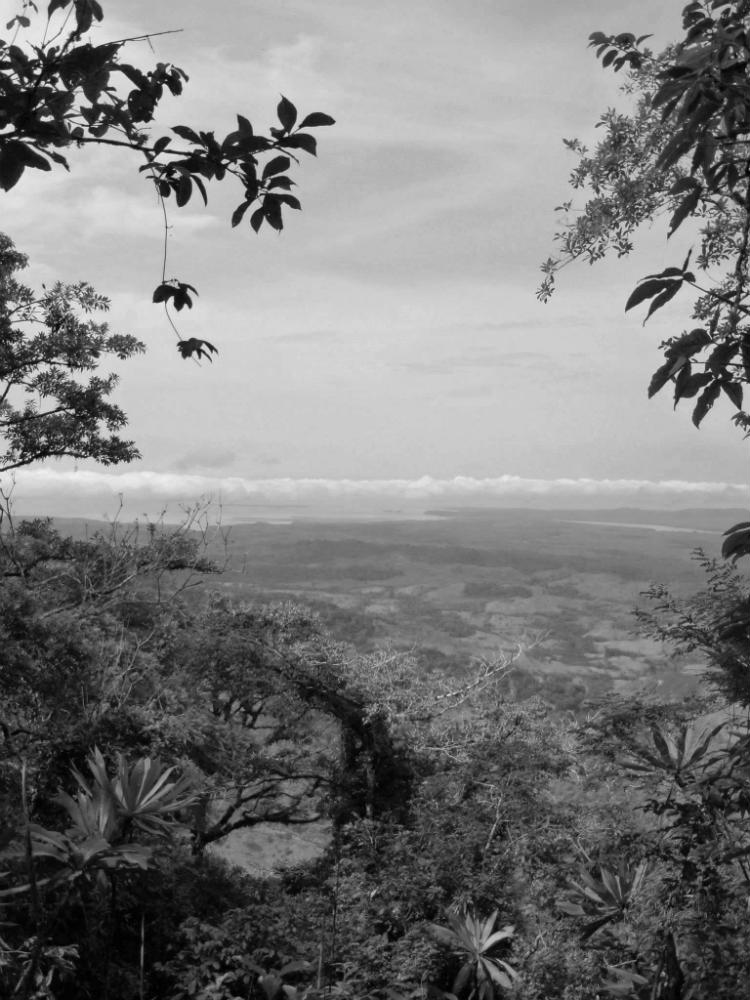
(95, 493)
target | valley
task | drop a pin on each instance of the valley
(466, 585)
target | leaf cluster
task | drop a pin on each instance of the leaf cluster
(66, 93)
(682, 152)
(47, 343)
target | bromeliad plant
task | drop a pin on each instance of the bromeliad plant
(604, 899)
(105, 813)
(475, 941)
(50, 867)
(140, 798)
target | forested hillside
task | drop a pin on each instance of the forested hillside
(514, 791)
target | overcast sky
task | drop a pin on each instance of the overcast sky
(392, 330)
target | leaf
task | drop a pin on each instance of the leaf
(684, 184)
(736, 545)
(677, 146)
(721, 355)
(743, 525)
(668, 272)
(316, 119)
(690, 385)
(734, 391)
(184, 190)
(12, 165)
(660, 378)
(645, 291)
(572, 909)
(181, 296)
(272, 211)
(686, 207)
(198, 347)
(243, 126)
(301, 140)
(239, 212)
(287, 113)
(592, 927)
(186, 133)
(256, 219)
(705, 401)
(163, 292)
(202, 188)
(290, 200)
(442, 934)
(498, 936)
(276, 166)
(662, 299)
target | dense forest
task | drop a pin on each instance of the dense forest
(474, 845)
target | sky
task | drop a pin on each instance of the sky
(391, 334)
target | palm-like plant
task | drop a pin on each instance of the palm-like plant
(679, 755)
(103, 813)
(475, 940)
(605, 898)
(141, 796)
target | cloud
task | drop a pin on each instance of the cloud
(89, 492)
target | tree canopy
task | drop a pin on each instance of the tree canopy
(683, 154)
(59, 91)
(46, 342)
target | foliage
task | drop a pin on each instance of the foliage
(714, 623)
(668, 915)
(45, 341)
(475, 940)
(682, 152)
(141, 798)
(63, 92)
(605, 897)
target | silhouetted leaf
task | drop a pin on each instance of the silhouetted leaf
(239, 212)
(287, 113)
(244, 126)
(12, 165)
(737, 543)
(734, 391)
(316, 119)
(689, 384)
(276, 166)
(256, 219)
(721, 355)
(186, 133)
(184, 190)
(686, 207)
(644, 291)
(272, 211)
(181, 295)
(705, 401)
(301, 140)
(196, 347)
(660, 378)
(163, 292)
(661, 300)
(290, 200)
